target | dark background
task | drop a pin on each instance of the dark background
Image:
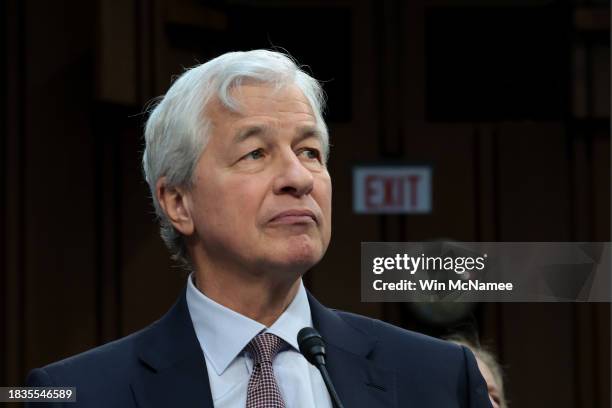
(510, 104)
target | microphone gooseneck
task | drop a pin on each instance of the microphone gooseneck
(312, 348)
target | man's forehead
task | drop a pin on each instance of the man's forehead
(256, 98)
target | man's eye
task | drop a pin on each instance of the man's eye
(255, 154)
(312, 154)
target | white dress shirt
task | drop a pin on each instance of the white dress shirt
(223, 334)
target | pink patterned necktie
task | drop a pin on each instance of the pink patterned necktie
(263, 391)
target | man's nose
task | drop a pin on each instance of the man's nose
(292, 176)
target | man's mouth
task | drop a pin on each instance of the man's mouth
(294, 217)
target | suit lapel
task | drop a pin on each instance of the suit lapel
(174, 369)
(358, 381)
(173, 365)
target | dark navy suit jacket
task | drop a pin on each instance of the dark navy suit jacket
(371, 363)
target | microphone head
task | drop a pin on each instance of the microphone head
(312, 346)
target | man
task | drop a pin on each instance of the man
(236, 160)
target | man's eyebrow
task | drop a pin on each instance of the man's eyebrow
(250, 131)
(307, 132)
(303, 132)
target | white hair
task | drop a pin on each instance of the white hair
(177, 130)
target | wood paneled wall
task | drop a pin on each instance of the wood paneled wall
(81, 262)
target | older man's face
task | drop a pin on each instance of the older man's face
(262, 195)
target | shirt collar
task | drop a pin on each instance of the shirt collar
(223, 333)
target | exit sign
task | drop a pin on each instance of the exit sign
(379, 189)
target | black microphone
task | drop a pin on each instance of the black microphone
(313, 348)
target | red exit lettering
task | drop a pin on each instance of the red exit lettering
(388, 191)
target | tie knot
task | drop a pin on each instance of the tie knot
(264, 347)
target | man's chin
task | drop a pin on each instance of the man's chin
(295, 262)
(294, 254)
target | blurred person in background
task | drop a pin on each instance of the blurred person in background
(489, 368)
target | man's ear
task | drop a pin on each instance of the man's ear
(175, 203)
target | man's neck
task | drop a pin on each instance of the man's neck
(261, 298)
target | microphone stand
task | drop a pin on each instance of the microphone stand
(330, 387)
(312, 348)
